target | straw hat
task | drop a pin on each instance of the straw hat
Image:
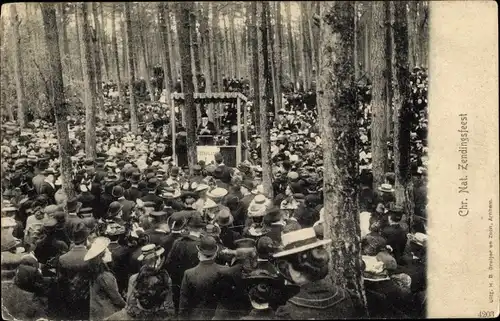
(99, 245)
(209, 204)
(300, 241)
(387, 188)
(150, 250)
(217, 192)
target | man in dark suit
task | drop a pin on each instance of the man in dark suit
(86, 197)
(133, 193)
(72, 219)
(395, 234)
(158, 234)
(206, 129)
(151, 196)
(73, 282)
(120, 253)
(128, 206)
(200, 290)
(184, 255)
(226, 171)
(47, 187)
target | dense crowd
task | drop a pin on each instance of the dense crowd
(142, 239)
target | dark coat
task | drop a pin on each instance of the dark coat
(104, 297)
(72, 220)
(168, 242)
(133, 193)
(234, 302)
(396, 238)
(228, 236)
(127, 208)
(318, 300)
(47, 189)
(121, 257)
(157, 237)
(73, 283)
(49, 248)
(152, 197)
(182, 256)
(200, 291)
(87, 199)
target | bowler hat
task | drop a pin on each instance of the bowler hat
(118, 191)
(114, 209)
(80, 233)
(208, 245)
(224, 218)
(196, 220)
(266, 247)
(72, 205)
(244, 243)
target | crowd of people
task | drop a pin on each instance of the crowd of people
(139, 238)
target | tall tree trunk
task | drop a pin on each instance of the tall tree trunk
(96, 35)
(339, 131)
(164, 20)
(265, 112)
(18, 67)
(64, 31)
(60, 106)
(279, 56)
(134, 126)
(254, 41)
(126, 72)
(214, 42)
(389, 75)
(206, 44)
(272, 62)
(423, 25)
(5, 79)
(412, 33)
(306, 46)
(79, 46)
(89, 84)
(291, 47)
(114, 43)
(196, 51)
(378, 77)
(236, 66)
(104, 42)
(402, 112)
(312, 39)
(183, 25)
(145, 61)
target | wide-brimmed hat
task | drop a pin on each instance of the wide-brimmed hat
(209, 204)
(299, 241)
(208, 245)
(387, 188)
(418, 238)
(178, 220)
(8, 222)
(260, 200)
(289, 204)
(217, 192)
(114, 229)
(201, 187)
(150, 250)
(99, 245)
(265, 287)
(374, 269)
(8, 242)
(224, 218)
(171, 193)
(256, 210)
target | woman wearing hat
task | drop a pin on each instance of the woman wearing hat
(266, 292)
(303, 261)
(104, 296)
(149, 298)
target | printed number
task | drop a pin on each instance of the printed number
(486, 314)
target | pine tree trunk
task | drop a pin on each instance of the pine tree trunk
(339, 133)
(389, 75)
(254, 42)
(4, 75)
(402, 112)
(196, 51)
(134, 126)
(312, 45)
(272, 62)
(18, 67)
(291, 47)
(145, 61)
(206, 44)
(59, 101)
(214, 42)
(183, 28)
(379, 81)
(236, 66)
(114, 43)
(97, 57)
(301, 54)
(104, 42)
(66, 57)
(279, 56)
(123, 31)
(78, 41)
(89, 84)
(265, 124)
(164, 20)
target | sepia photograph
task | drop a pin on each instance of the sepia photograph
(215, 160)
